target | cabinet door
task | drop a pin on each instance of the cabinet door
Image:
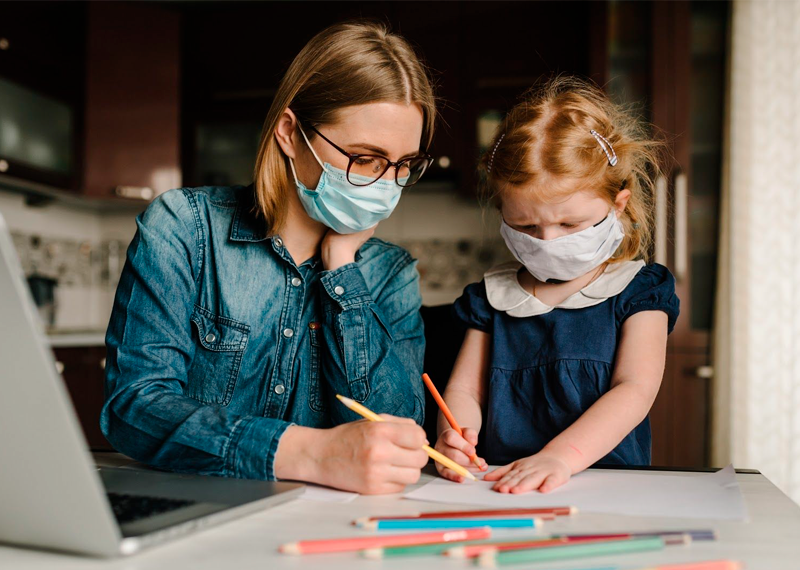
(668, 60)
(132, 99)
(41, 91)
(83, 371)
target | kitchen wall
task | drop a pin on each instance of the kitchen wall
(454, 239)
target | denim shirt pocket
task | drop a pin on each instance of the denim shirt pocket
(215, 368)
(317, 397)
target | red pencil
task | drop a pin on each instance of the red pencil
(363, 542)
(543, 512)
(448, 415)
(475, 550)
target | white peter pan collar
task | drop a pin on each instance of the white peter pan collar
(506, 294)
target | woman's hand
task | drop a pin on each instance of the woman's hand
(340, 249)
(459, 449)
(543, 471)
(366, 457)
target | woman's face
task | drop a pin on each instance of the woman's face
(391, 130)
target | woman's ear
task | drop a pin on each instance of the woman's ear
(622, 200)
(286, 133)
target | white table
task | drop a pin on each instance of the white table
(770, 541)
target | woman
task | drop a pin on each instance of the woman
(241, 312)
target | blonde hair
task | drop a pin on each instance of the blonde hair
(545, 139)
(347, 64)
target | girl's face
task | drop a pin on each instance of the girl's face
(391, 130)
(548, 220)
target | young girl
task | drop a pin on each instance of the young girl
(565, 348)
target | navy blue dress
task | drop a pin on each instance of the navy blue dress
(546, 370)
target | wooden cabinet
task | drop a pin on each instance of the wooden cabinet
(83, 371)
(132, 99)
(41, 91)
(668, 59)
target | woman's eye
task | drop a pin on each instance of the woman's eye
(364, 161)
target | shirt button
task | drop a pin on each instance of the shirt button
(278, 241)
(339, 290)
(210, 338)
(288, 333)
(296, 282)
(280, 389)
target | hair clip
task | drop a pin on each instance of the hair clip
(491, 159)
(608, 149)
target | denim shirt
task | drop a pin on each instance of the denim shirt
(218, 341)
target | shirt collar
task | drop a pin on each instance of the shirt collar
(506, 294)
(247, 224)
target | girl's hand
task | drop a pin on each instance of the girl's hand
(340, 249)
(459, 449)
(543, 471)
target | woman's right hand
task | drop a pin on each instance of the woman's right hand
(459, 449)
(366, 457)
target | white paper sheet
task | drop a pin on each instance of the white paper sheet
(327, 495)
(707, 496)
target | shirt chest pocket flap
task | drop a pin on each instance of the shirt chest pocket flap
(215, 368)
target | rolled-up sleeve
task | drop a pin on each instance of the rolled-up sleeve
(146, 414)
(374, 340)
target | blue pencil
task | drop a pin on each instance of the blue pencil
(410, 524)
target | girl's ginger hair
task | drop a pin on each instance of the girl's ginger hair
(351, 63)
(546, 148)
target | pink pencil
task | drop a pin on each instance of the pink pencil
(710, 565)
(364, 542)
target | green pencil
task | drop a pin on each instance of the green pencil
(492, 559)
(421, 550)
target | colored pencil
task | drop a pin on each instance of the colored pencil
(412, 524)
(492, 559)
(398, 551)
(364, 542)
(475, 550)
(367, 522)
(704, 534)
(709, 565)
(366, 413)
(540, 512)
(448, 415)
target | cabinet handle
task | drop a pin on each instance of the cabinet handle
(4, 44)
(660, 232)
(103, 363)
(681, 225)
(59, 367)
(704, 372)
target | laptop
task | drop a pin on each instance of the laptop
(52, 495)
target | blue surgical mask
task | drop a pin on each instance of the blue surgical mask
(344, 207)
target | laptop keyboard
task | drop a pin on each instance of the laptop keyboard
(129, 508)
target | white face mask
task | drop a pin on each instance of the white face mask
(567, 257)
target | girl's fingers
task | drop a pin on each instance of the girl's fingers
(529, 483)
(552, 481)
(508, 482)
(452, 439)
(471, 436)
(498, 473)
(448, 473)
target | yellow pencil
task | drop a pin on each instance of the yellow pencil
(432, 453)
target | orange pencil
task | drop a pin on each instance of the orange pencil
(448, 415)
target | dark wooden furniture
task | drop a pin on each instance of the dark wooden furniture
(83, 373)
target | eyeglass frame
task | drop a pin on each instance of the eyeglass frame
(352, 157)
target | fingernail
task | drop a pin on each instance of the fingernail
(427, 442)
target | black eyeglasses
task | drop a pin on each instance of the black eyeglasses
(365, 169)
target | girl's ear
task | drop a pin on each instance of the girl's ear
(286, 133)
(622, 200)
